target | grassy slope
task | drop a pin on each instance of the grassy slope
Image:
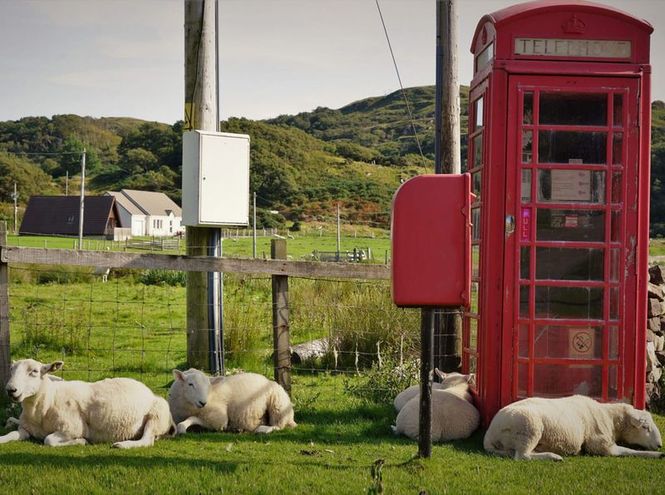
(133, 330)
(331, 451)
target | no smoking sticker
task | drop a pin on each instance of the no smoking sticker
(581, 342)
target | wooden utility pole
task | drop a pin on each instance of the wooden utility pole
(204, 290)
(15, 198)
(82, 205)
(339, 235)
(439, 329)
(447, 325)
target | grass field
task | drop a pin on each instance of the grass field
(300, 246)
(126, 328)
(331, 451)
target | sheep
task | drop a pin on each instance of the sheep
(453, 414)
(13, 422)
(60, 412)
(242, 402)
(447, 380)
(547, 429)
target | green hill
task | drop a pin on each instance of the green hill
(301, 165)
(378, 128)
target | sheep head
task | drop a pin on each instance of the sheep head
(26, 376)
(195, 386)
(641, 430)
(455, 379)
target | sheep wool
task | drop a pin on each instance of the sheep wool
(242, 402)
(539, 428)
(61, 412)
(448, 380)
(453, 415)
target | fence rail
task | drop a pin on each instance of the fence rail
(11, 254)
(279, 269)
(154, 244)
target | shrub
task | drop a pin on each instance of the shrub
(64, 275)
(381, 384)
(163, 277)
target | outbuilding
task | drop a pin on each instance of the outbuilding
(148, 213)
(59, 215)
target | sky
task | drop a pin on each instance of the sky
(126, 57)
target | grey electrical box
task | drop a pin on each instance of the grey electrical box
(215, 179)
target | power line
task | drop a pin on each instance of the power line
(406, 101)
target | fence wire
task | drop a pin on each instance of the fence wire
(133, 323)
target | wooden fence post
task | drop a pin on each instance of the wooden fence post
(5, 358)
(280, 319)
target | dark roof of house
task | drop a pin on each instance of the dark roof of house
(59, 215)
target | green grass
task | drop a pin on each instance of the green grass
(657, 247)
(337, 440)
(125, 328)
(301, 246)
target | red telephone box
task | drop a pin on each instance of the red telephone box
(559, 130)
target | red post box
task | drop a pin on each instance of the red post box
(431, 236)
(559, 130)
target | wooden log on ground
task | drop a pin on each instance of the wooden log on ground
(309, 350)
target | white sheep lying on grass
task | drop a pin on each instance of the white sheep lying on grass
(453, 415)
(539, 428)
(242, 402)
(447, 380)
(62, 412)
(13, 422)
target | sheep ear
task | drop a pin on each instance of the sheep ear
(216, 379)
(50, 368)
(636, 418)
(440, 374)
(179, 375)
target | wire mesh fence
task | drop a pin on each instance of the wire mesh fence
(343, 332)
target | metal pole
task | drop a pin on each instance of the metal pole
(82, 200)
(15, 198)
(66, 182)
(204, 290)
(425, 420)
(339, 237)
(447, 159)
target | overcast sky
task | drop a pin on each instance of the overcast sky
(125, 57)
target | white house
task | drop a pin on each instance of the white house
(148, 213)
